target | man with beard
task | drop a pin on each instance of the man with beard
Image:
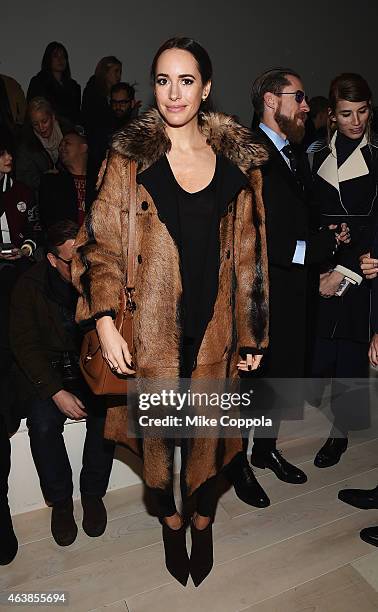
(279, 100)
(123, 104)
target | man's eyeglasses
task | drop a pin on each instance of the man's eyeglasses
(299, 95)
(68, 262)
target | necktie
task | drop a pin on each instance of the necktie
(288, 152)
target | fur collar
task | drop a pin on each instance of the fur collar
(145, 140)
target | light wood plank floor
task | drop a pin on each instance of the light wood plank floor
(301, 554)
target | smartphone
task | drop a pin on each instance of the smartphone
(6, 248)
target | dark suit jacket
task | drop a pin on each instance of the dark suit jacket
(288, 220)
(58, 198)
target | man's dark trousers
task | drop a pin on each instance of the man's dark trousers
(46, 425)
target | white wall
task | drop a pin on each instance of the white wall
(244, 37)
(24, 490)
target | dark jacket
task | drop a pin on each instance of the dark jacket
(287, 221)
(64, 97)
(38, 336)
(21, 213)
(374, 286)
(11, 392)
(58, 197)
(354, 201)
(32, 160)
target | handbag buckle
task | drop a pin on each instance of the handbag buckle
(130, 304)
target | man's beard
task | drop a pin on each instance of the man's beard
(123, 117)
(294, 131)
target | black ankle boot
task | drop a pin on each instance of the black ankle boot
(8, 540)
(201, 557)
(94, 515)
(176, 555)
(331, 452)
(63, 526)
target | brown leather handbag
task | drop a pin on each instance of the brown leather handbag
(96, 371)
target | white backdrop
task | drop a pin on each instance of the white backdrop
(244, 37)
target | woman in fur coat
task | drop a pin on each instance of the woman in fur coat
(201, 281)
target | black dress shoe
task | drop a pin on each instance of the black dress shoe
(201, 556)
(8, 540)
(331, 452)
(283, 469)
(246, 486)
(366, 499)
(370, 535)
(63, 526)
(94, 515)
(176, 555)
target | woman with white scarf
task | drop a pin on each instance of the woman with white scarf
(39, 149)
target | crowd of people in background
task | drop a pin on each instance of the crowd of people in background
(319, 165)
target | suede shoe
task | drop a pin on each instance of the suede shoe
(94, 515)
(63, 526)
(277, 463)
(201, 556)
(365, 499)
(246, 486)
(370, 535)
(331, 452)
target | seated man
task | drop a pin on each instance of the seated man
(123, 104)
(67, 194)
(45, 341)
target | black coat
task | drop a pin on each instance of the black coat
(38, 335)
(64, 97)
(58, 198)
(288, 220)
(357, 205)
(32, 160)
(374, 286)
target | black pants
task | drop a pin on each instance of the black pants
(46, 424)
(265, 438)
(5, 463)
(344, 359)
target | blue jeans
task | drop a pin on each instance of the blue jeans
(46, 424)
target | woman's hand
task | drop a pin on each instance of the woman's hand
(344, 235)
(373, 351)
(251, 362)
(369, 266)
(329, 283)
(114, 348)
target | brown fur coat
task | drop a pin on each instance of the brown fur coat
(99, 272)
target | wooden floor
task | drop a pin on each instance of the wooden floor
(303, 553)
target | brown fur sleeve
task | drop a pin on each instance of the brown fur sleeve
(98, 269)
(251, 268)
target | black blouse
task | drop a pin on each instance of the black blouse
(193, 220)
(196, 213)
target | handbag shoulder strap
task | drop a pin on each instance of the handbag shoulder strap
(130, 281)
